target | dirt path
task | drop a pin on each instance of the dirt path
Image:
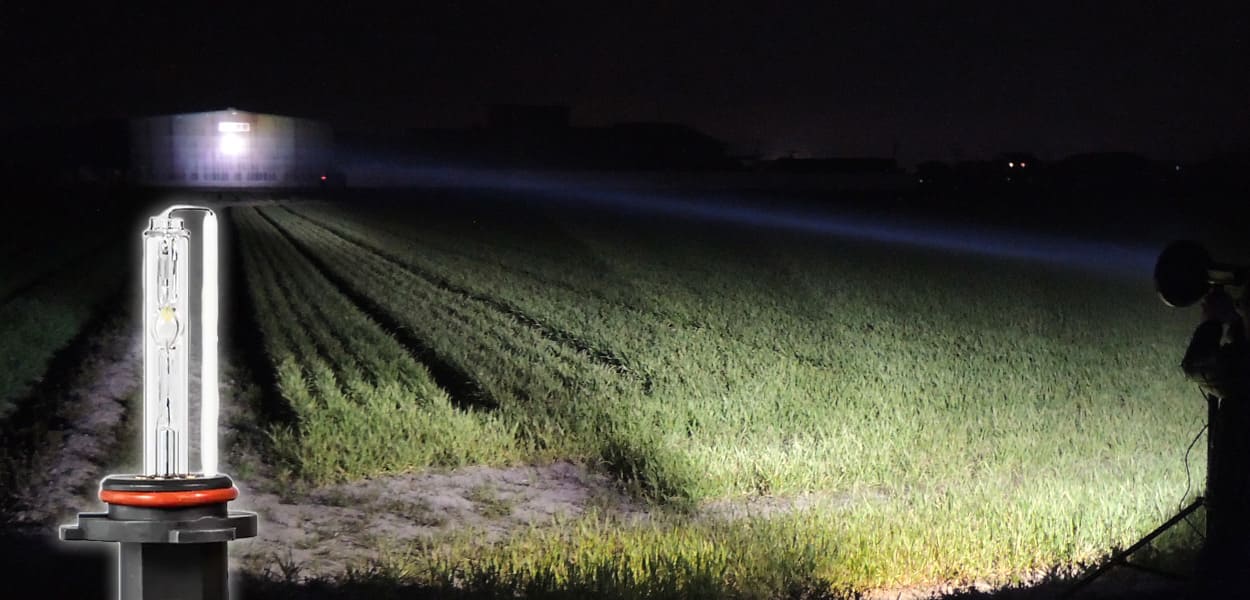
(87, 434)
(334, 527)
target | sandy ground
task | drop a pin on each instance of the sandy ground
(327, 529)
(84, 444)
(352, 524)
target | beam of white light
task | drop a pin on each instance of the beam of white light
(1130, 260)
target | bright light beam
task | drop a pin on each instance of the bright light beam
(1130, 261)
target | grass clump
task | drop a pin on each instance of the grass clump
(489, 502)
(599, 557)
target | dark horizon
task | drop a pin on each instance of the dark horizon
(1168, 82)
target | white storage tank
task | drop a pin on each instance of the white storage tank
(229, 149)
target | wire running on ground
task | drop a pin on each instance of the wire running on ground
(1189, 477)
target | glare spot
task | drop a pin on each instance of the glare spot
(232, 145)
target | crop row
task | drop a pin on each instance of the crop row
(705, 388)
(361, 404)
(44, 318)
(561, 402)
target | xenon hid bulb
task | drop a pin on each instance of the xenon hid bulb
(167, 333)
(172, 524)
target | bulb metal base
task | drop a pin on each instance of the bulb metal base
(171, 549)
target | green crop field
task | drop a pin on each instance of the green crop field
(51, 284)
(945, 418)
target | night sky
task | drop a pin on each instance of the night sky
(1166, 80)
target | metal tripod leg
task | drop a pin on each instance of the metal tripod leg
(1119, 559)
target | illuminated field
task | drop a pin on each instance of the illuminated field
(944, 418)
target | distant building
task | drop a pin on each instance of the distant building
(1016, 168)
(933, 174)
(841, 166)
(1016, 162)
(1103, 172)
(91, 153)
(528, 117)
(659, 145)
(542, 136)
(229, 149)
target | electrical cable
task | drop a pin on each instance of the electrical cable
(1189, 478)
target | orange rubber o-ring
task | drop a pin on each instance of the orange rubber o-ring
(169, 499)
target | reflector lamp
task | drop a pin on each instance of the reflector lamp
(172, 523)
(1185, 273)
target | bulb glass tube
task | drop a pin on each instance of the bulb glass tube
(166, 322)
(167, 332)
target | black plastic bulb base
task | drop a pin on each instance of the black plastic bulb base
(172, 534)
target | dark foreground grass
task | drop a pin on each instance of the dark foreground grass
(36, 560)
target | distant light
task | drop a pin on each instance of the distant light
(1178, 167)
(232, 145)
(323, 177)
(233, 127)
(1013, 165)
(922, 180)
(1023, 165)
